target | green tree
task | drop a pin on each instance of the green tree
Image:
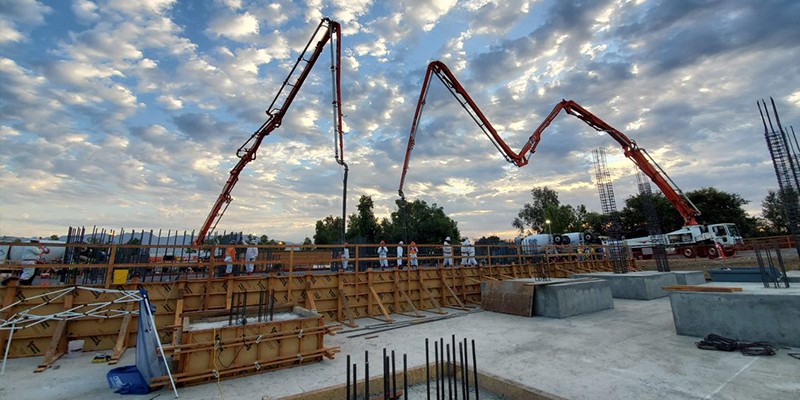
(488, 240)
(426, 223)
(364, 224)
(773, 211)
(715, 205)
(307, 241)
(53, 237)
(328, 230)
(532, 215)
(265, 240)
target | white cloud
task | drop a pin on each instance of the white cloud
(170, 102)
(85, 10)
(237, 26)
(9, 33)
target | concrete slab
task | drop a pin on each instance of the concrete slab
(567, 299)
(755, 314)
(690, 277)
(794, 276)
(644, 285)
(629, 352)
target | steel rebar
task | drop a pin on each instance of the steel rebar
(405, 377)
(453, 376)
(427, 369)
(394, 378)
(461, 359)
(436, 367)
(366, 369)
(475, 370)
(465, 371)
(348, 376)
(449, 381)
(272, 304)
(355, 382)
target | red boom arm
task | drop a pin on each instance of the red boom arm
(276, 113)
(638, 155)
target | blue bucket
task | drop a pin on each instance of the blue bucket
(127, 380)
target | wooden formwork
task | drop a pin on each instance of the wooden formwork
(235, 350)
(336, 296)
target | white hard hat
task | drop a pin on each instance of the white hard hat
(447, 239)
(401, 242)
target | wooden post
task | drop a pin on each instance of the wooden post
(369, 286)
(396, 277)
(11, 292)
(358, 247)
(291, 274)
(122, 337)
(110, 266)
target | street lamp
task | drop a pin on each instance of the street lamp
(549, 227)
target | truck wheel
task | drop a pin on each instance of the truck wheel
(689, 252)
(558, 239)
(728, 252)
(713, 252)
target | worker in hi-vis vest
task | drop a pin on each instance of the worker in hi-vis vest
(412, 254)
(230, 256)
(250, 255)
(447, 251)
(382, 251)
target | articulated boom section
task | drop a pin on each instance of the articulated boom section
(277, 110)
(638, 155)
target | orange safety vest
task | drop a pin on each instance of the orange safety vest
(230, 251)
(412, 250)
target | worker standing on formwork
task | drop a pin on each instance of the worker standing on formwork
(382, 252)
(230, 256)
(464, 250)
(250, 255)
(447, 251)
(413, 263)
(345, 256)
(30, 256)
(471, 251)
(400, 255)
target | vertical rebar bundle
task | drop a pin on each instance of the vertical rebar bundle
(653, 223)
(617, 252)
(784, 152)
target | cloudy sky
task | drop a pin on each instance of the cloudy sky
(128, 113)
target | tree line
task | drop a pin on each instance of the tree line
(425, 223)
(716, 206)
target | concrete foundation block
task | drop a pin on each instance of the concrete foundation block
(690, 277)
(562, 300)
(773, 318)
(635, 285)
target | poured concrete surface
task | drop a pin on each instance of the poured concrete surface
(643, 285)
(630, 352)
(689, 277)
(567, 299)
(754, 314)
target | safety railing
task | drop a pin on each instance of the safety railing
(109, 264)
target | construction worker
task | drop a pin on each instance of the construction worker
(345, 256)
(471, 251)
(400, 254)
(464, 250)
(30, 255)
(382, 252)
(230, 256)
(412, 253)
(447, 251)
(250, 255)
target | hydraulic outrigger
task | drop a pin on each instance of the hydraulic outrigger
(277, 110)
(638, 155)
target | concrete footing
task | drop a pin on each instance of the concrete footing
(690, 277)
(567, 299)
(771, 315)
(644, 285)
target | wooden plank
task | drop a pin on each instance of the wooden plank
(380, 305)
(408, 300)
(122, 337)
(433, 300)
(310, 304)
(53, 352)
(707, 289)
(452, 293)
